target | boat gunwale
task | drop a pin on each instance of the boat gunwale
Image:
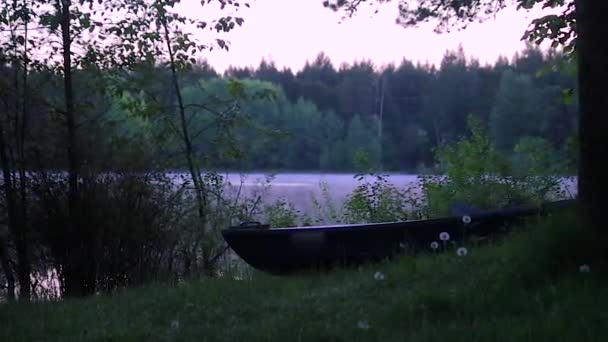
(410, 224)
(344, 227)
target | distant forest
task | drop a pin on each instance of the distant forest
(398, 114)
(326, 117)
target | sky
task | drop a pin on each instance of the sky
(290, 32)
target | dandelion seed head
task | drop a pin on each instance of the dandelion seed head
(434, 245)
(379, 275)
(175, 324)
(466, 219)
(364, 325)
(584, 268)
(401, 245)
(462, 251)
(444, 236)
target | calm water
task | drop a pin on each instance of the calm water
(300, 188)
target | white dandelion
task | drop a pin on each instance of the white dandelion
(434, 245)
(379, 275)
(466, 219)
(401, 245)
(175, 325)
(444, 236)
(584, 268)
(364, 325)
(462, 251)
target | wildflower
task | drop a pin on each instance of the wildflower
(363, 325)
(379, 275)
(434, 245)
(175, 324)
(466, 219)
(445, 236)
(584, 268)
(401, 245)
(462, 251)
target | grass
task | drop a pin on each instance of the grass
(527, 288)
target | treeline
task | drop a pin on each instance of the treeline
(400, 113)
(325, 117)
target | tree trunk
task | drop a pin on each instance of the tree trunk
(24, 268)
(22, 244)
(592, 54)
(74, 274)
(195, 173)
(16, 224)
(20, 206)
(8, 273)
(69, 107)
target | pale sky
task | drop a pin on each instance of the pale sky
(289, 32)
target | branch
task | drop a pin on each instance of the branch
(204, 129)
(219, 254)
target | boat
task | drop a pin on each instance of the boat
(296, 249)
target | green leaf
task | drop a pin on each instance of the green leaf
(236, 89)
(568, 96)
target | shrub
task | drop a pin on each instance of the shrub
(477, 174)
(125, 232)
(375, 200)
(282, 214)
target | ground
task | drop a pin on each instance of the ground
(546, 282)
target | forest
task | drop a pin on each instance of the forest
(398, 115)
(320, 117)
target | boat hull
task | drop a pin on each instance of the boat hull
(288, 250)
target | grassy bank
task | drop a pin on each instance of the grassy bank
(528, 288)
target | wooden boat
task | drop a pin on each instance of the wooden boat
(288, 250)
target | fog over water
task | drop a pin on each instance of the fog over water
(300, 189)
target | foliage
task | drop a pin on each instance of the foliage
(524, 109)
(375, 200)
(517, 111)
(325, 208)
(131, 237)
(281, 214)
(475, 173)
(422, 107)
(93, 57)
(560, 29)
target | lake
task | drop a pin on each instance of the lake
(300, 188)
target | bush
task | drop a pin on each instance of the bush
(281, 214)
(477, 174)
(125, 232)
(375, 200)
